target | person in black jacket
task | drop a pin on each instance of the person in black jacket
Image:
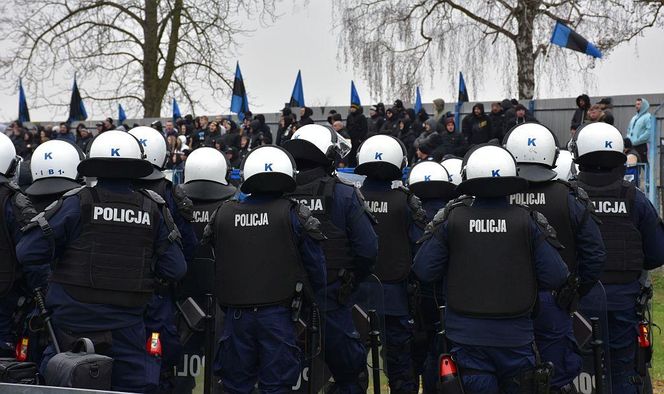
(305, 116)
(476, 127)
(356, 124)
(391, 124)
(375, 121)
(452, 142)
(581, 112)
(497, 118)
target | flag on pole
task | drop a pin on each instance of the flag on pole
(122, 116)
(176, 110)
(239, 101)
(567, 38)
(76, 108)
(463, 92)
(297, 97)
(354, 97)
(418, 100)
(23, 113)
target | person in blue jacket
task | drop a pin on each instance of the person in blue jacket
(160, 317)
(283, 267)
(634, 240)
(15, 212)
(400, 223)
(569, 210)
(127, 240)
(350, 247)
(491, 258)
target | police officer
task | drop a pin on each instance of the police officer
(160, 317)
(401, 219)
(206, 173)
(492, 258)
(350, 248)
(15, 212)
(279, 255)
(633, 236)
(54, 171)
(429, 181)
(126, 239)
(569, 210)
(453, 166)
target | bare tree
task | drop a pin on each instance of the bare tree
(133, 50)
(393, 42)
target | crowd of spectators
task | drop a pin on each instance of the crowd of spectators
(424, 136)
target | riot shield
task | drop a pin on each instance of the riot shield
(197, 317)
(592, 334)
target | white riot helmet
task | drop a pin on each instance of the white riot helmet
(206, 173)
(8, 159)
(429, 179)
(156, 150)
(535, 150)
(453, 166)
(598, 145)
(381, 157)
(490, 171)
(565, 168)
(268, 168)
(317, 144)
(54, 168)
(115, 154)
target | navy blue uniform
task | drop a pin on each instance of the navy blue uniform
(554, 333)
(134, 369)
(345, 353)
(399, 324)
(260, 343)
(621, 298)
(496, 351)
(160, 316)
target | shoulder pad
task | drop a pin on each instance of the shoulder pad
(174, 235)
(548, 232)
(73, 192)
(41, 218)
(23, 209)
(415, 205)
(309, 222)
(208, 231)
(441, 216)
(153, 196)
(184, 203)
(582, 197)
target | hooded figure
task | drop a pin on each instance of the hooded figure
(438, 109)
(357, 127)
(583, 105)
(305, 116)
(639, 128)
(391, 124)
(476, 127)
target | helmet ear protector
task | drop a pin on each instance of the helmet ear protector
(555, 139)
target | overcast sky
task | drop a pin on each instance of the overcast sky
(304, 39)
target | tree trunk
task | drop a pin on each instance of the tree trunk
(152, 98)
(525, 59)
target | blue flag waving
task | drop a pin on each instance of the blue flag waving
(297, 97)
(567, 38)
(23, 113)
(122, 116)
(76, 108)
(239, 101)
(418, 100)
(354, 97)
(176, 110)
(463, 92)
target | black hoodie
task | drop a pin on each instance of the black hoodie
(476, 128)
(306, 118)
(581, 111)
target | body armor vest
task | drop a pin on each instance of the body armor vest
(261, 263)
(394, 253)
(317, 196)
(8, 261)
(552, 200)
(111, 262)
(614, 204)
(491, 271)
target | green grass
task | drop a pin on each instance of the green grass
(657, 372)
